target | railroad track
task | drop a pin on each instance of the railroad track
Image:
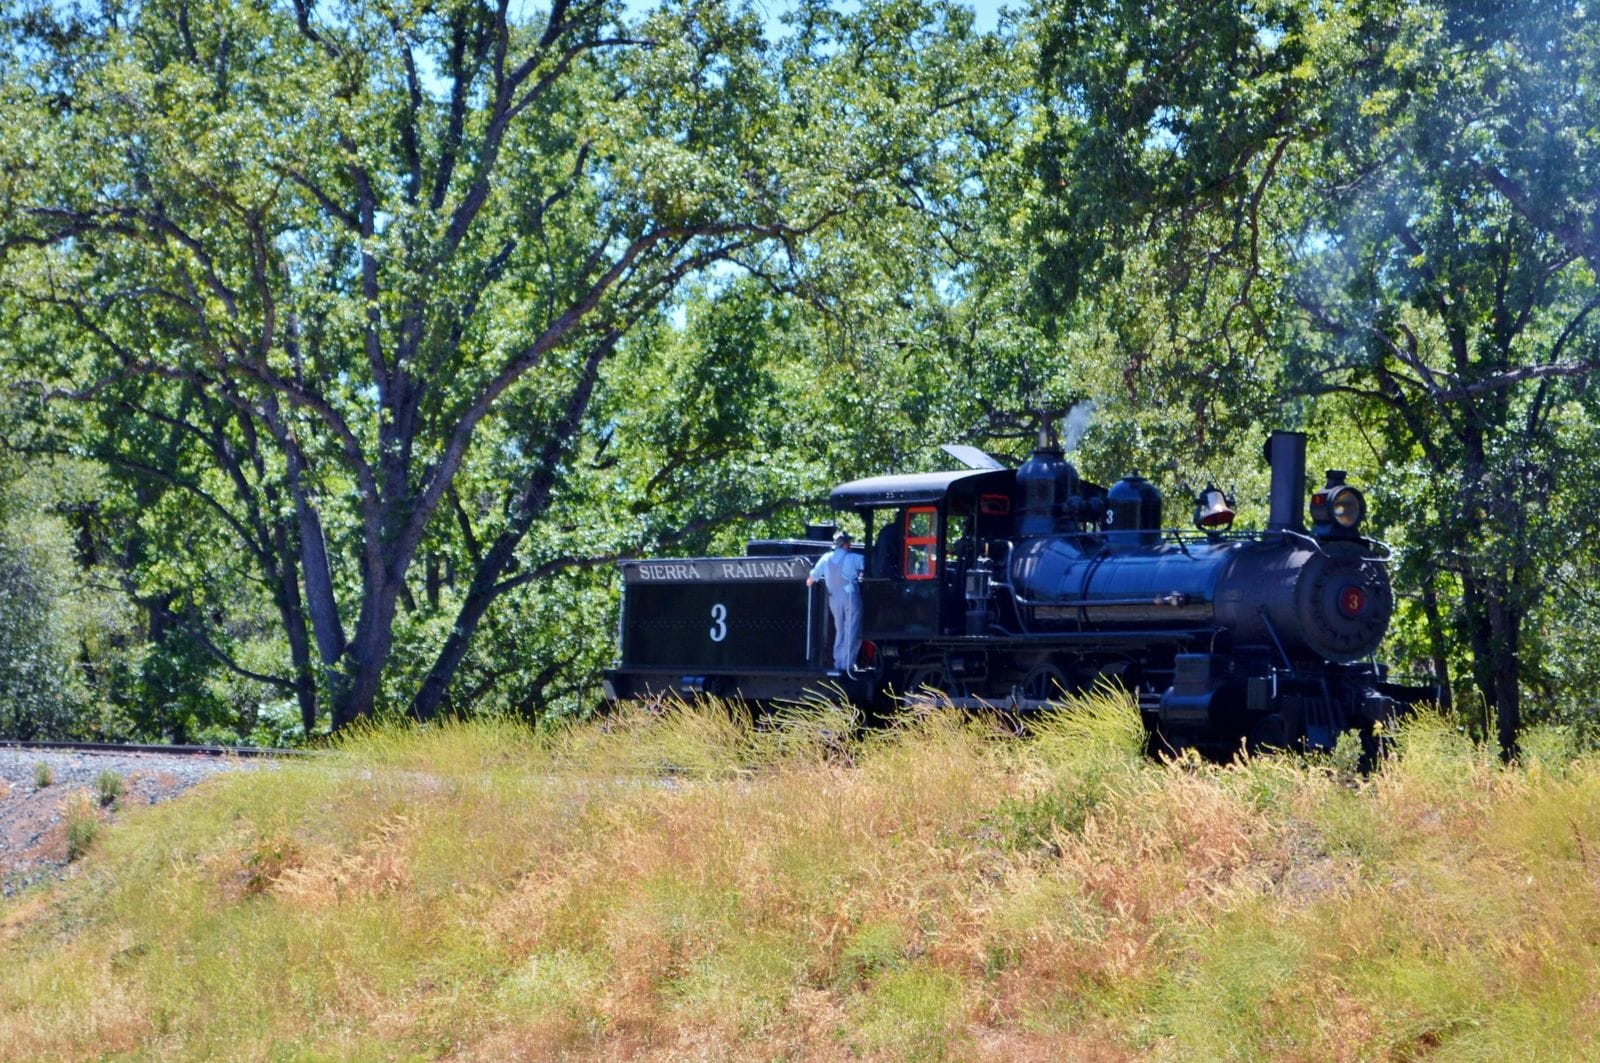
(180, 751)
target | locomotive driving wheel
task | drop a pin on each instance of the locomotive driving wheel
(927, 680)
(1043, 682)
(1269, 733)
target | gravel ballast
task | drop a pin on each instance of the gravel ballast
(33, 846)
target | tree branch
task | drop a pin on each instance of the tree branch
(198, 631)
(573, 562)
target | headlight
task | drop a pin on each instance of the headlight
(1338, 508)
(1348, 507)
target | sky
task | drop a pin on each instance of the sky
(987, 11)
(988, 14)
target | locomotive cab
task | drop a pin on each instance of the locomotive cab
(925, 532)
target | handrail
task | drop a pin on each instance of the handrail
(1176, 599)
(1276, 641)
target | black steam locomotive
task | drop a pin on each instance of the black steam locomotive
(1004, 588)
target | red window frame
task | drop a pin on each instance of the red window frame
(929, 541)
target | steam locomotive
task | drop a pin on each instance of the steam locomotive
(1005, 588)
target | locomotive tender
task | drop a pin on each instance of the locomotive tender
(1006, 588)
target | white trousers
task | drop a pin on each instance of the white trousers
(846, 609)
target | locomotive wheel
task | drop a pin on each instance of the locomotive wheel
(1044, 682)
(1271, 732)
(932, 679)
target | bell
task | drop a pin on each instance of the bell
(1212, 511)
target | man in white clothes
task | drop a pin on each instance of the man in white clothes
(840, 568)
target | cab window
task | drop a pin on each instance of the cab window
(888, 549)
(921, 542)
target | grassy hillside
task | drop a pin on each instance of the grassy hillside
(684, 888)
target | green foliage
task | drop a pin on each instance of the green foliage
(108, 788)
(82, 825)
(873, 950)
(1093, 744)
(1149, 125)
(1367, 205)
(170, 694)
(379, 364)
(1033, 822)
(1101, 724)
(43, 775)
(913, 1013)
(382, 376)
(35, 650)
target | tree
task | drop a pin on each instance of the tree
(1397, 197)
(312, 265)
(35, 652)
(61, 628)
(1464, 319)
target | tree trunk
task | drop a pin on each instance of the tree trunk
(480, 595)
(530, 505)
(292, 613)
(359, 682)
(162, 622)
(1505, 623)
(1481, 640)
(319, 582)
(1436, 641)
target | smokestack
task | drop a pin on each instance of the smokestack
(1286, 454)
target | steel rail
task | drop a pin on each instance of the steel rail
(180, 751)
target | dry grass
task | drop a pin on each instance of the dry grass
(681, 885)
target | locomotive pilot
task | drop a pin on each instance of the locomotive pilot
(840, 568)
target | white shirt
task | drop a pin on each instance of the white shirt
(839, 568)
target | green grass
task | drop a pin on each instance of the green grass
(684, 885)
(82, 826)
(108, 787)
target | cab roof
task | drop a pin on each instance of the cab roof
(920, 487)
